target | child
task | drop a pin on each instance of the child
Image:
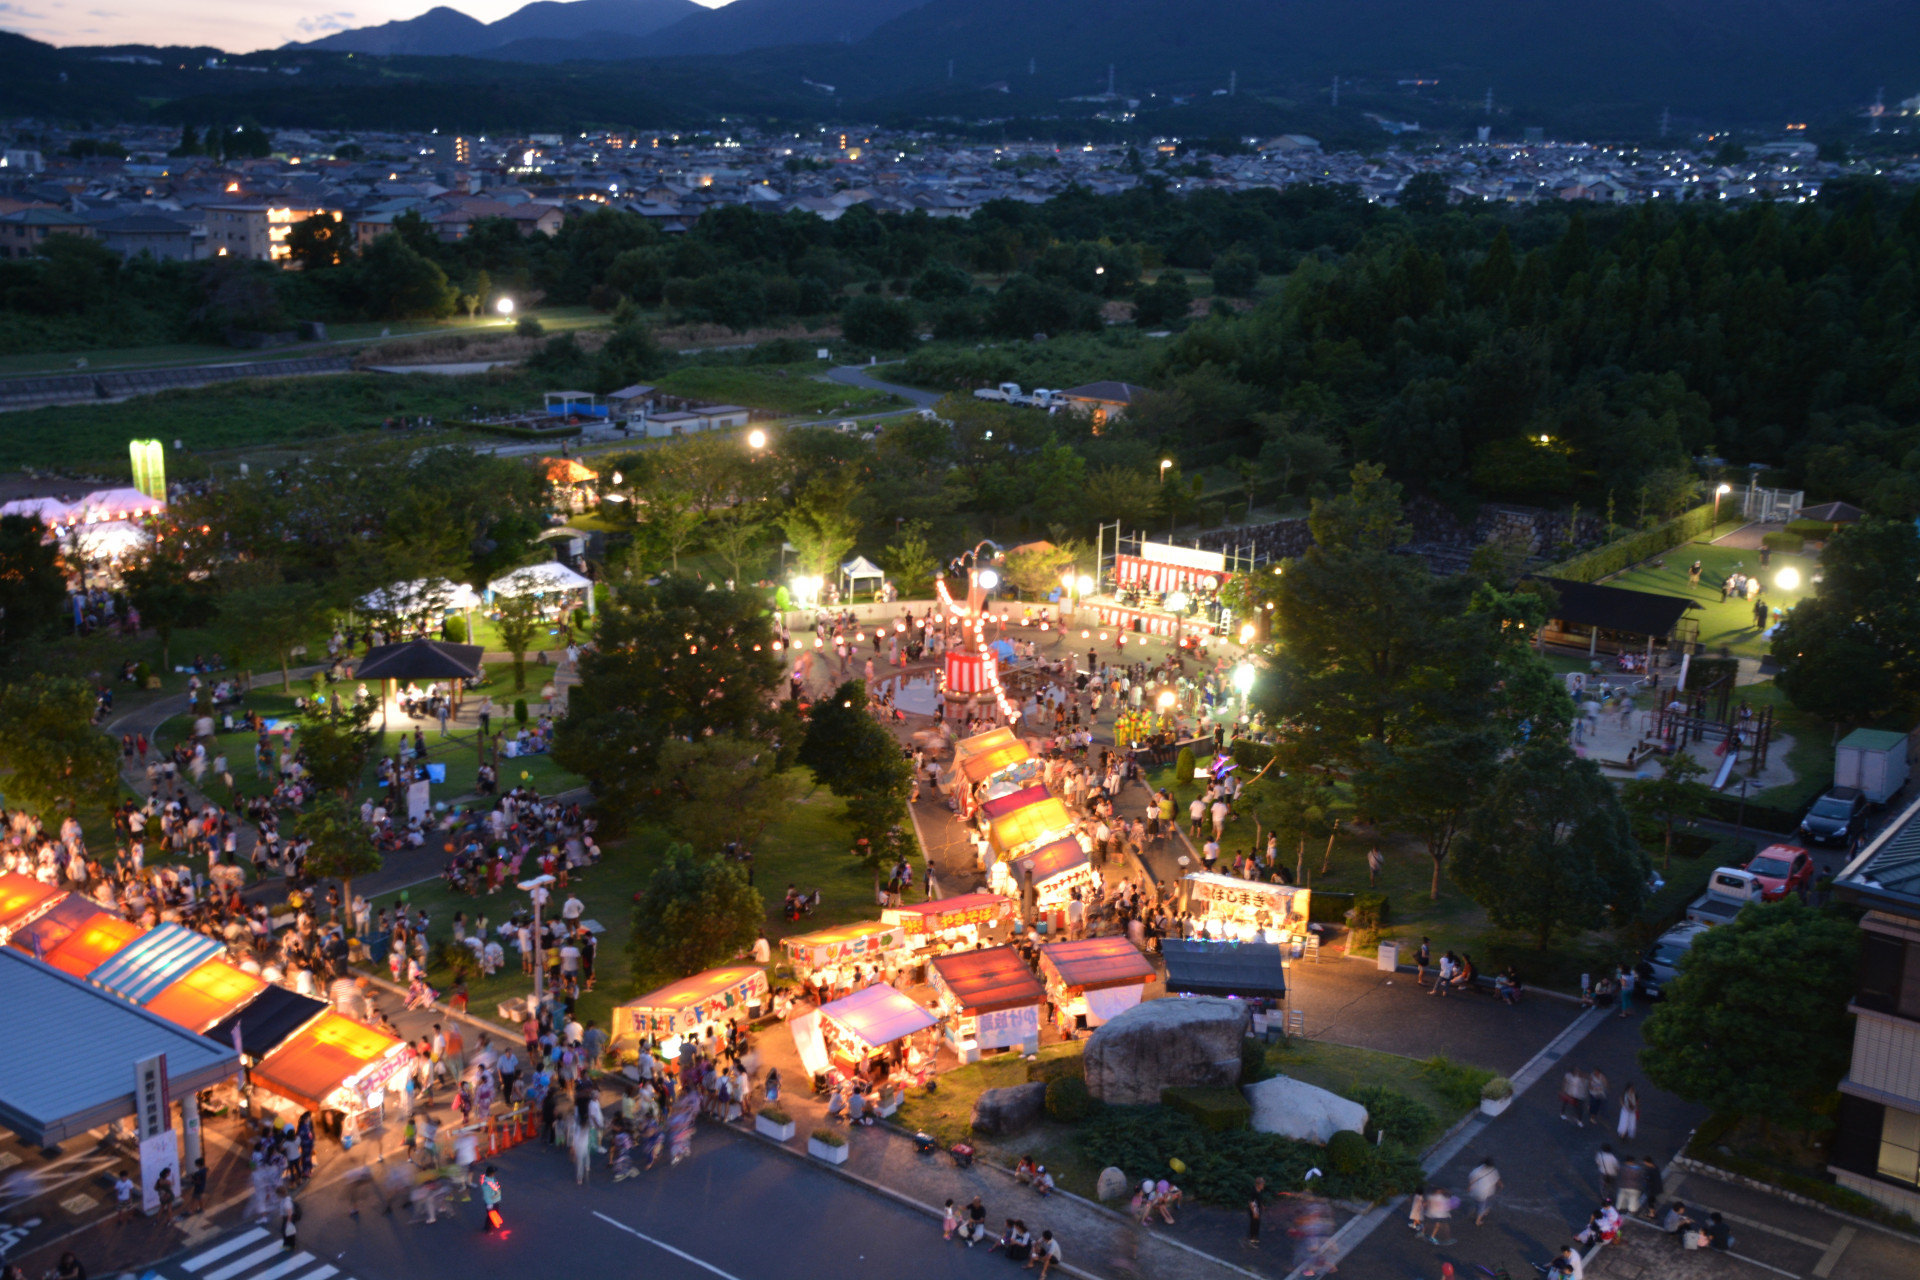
(949, 1222)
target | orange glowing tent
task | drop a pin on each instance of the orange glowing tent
(316, 1060)
(206, 994)
(22, 899)
(92, 944)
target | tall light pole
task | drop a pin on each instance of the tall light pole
(1164, 464)
(538, 889)
(1725, 488)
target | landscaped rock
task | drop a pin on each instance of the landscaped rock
(1112, 1185)
(1162, 1043)
(1297, 1109)
(1009, 1110)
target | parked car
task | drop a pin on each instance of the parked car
(1781, 869)
(1663, 960)
(1835, 817)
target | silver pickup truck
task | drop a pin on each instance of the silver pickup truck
(1728, 890)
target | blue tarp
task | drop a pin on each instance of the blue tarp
(153, 962)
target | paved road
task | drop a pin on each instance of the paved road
(848, 375)
(734, 1210)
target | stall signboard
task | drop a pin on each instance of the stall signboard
(847, 943)
(373, 1081)
(977, 909)
(690, 1004)
(153, 1122)
(1265, 904)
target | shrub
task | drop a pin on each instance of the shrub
(1328, 907)
(1816, 529)
(1216, 1107)
(456, 629)
(1068, 1100)
(1407, 1121)
(1789, 542)
(775, 1115)
(456, 958)
(1212, 514)
(1369, 910)
(1458, 1084)
(1142, 1142)
(529, 327)
(580, 617)
(1348, 1152)
(1183, 767)
(142, 674)
(1497, 1089)
(829, 1138)
(520, 710)
(1253, 1061)
(1635, 547)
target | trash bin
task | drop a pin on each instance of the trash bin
(1389, 957)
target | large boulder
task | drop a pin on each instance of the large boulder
(1297, 1109)
(1009, 1110)
(1192, 1040)
(1113, 1184)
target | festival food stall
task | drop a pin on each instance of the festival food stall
(997, 762)
(1040, 822)
(821, 956)
(1055, 870)
(870, 1030)
(334, 1064)
(24, 900)
(51, 923)
(207, 994)
(92, 944)
(681, 1009)
(1092, 980)
(267, 1021)
(153, 961)
(1235, 910)
(950, 924)
(988, 1000)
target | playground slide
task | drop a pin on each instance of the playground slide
(1726, 770)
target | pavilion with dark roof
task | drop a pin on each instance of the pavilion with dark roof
(1610, 619)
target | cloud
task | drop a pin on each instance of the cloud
(326, 22)
(15, 11)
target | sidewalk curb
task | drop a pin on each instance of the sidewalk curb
(1704, 1169)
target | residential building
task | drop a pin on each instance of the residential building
(133, 234)
(25, 230)
(256, 231)
(1104, 402)
(1876, 1146)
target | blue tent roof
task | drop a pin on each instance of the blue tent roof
(1004, 648)
(153, 962)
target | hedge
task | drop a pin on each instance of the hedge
(1788, 543)
(1594, 565)
(1758, 817)
(518, 433)
(1328, 907)
(1214, 1107)
(1816, 529)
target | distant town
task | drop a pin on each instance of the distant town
(135, 190)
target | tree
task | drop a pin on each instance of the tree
(33, 588)
(55, 760)
(1716, 1037)
(630, 354)
(1119, 493)
(341, 847)
(859, 760)
(1236, 273)
(519, 625)
(738, 541)
(1162, 302)
(724, 789)
(316, 241)
(1550, 847)
(1430, 781)
(401, 283)
(671, 518)
(878, 322)
(819, 526)
(336, 746)
(673, 661)
(1852, 653)
(1289, 453)
(278, 618)
(1424, 193)
(696, 912)
(167, 600)
(1037, 571)
(909, 558)
(1673, 797)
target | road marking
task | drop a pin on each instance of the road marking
(1809, 1241)
(1831, 1258)
(245, 1262)
(218, 1252)
(661, 1244)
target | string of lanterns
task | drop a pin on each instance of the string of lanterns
(990, 665)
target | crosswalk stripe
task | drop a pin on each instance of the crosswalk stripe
(222, 1249)
(321, 1273)
(294, 1263)
(246, 1263)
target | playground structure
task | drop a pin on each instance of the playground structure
(1707, 714)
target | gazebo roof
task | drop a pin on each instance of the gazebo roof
(421, 660)
(1640, 613)
(1832, 513)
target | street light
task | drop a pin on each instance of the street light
(537, 889)
(756, 439)
(988, 579)
(504, 306)
(1787, 580)
(1085, 584)
(1243, 679)
(1164, 464)
(1725, 488)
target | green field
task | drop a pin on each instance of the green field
(1728, 625)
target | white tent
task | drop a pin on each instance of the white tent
(542, 579)
(420, 596)
(117, 504)
(114, 538)
(858, 570)
(49, 511)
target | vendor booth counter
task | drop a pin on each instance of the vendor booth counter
(689, 1006)
(950, 923)
(990, 999)
(867, 1032)
(1232, 909)
(869, 942)
(1093, 980)
(334, 1064)
(1039, 822)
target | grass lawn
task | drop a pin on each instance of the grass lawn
(1728, 625)
(948, 1114)
(807, 849)
(787, 389)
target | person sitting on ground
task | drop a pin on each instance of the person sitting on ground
(1676, 1219)
(1023, 1172)
(836, 1106)
(1507, 986)
(1719, 1234)
(1043, 1181)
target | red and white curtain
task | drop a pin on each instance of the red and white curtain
(1154, 624)
(967, 673)
(1151, 575)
